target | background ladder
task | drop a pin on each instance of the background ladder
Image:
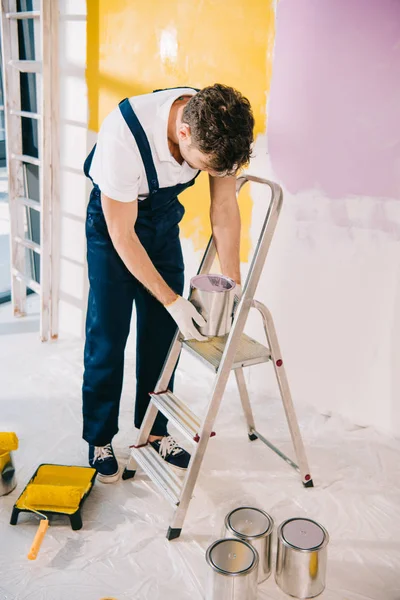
(45, 68)
(234, 351)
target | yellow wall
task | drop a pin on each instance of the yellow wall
(224, 41)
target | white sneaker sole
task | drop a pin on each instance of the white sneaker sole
(109, 478)
(178, 470)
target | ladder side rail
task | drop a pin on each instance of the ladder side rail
(210, 252)
(15, 168)
(275, 206)
(284, 388)
(245, 400)
(44, 125)
(55, 224)
(259, 257)
(231, 346)
(267, 231)
(208, 257)
(211, 414)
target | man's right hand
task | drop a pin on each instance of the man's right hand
(184, 313)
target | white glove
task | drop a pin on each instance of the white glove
(184, 313)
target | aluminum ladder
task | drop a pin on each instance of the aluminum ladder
(222, 354)
(45, 69)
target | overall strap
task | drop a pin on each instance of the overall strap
(143, 144)
(88, 162)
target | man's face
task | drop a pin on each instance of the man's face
(192, 155)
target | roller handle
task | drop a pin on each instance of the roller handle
(37, 542)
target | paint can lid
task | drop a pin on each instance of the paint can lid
(247, 522)
(232, 557)
(212, 283)
(303, 534)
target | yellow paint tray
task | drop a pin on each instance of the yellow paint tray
(58, 475)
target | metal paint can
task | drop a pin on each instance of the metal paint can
(255, 527)
(301, 558)
(213, 296)
(233, 573)
(8, 480)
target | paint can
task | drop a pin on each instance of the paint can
(8, 480)
(254, 526)
(233, 572)
(213, 296)
(301, 558)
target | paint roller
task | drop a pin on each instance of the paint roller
(53, 498)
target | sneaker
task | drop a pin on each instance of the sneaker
(102, 458)
(173, 454)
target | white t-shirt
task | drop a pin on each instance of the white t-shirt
(117, 166)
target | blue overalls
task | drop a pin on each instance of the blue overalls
(112, 291)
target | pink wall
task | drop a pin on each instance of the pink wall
(334, 113)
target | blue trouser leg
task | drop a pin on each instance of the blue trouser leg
(111, 295)
(112, 292)
(107, 328)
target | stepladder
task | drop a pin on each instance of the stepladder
(232, 352)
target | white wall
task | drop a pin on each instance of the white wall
(334, 293)
(334, 141)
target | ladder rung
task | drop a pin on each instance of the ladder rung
(159, 471)
(26, 159)
(24, 113)
(33, 285)
(178, 413)
(28, 202)
(249, 352)
(28, 244)
(26, 66)
(29, 14)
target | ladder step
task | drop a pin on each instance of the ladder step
(178, 413)
(249, 352)
(28, 244)
(25, 113)
(28, 202)
(159, 471)
(26, 66)
(31, 160)
(30, 283)
(29, 14)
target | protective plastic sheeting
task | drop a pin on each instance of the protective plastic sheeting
(122, 551)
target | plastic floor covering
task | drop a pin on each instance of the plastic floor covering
(122, 551)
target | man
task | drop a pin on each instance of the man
(149, 149)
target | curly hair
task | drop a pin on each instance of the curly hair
(221, 124)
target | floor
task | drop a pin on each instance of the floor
(122, 552)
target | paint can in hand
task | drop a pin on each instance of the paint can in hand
(213, 296)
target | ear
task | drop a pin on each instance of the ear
(184, 134)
